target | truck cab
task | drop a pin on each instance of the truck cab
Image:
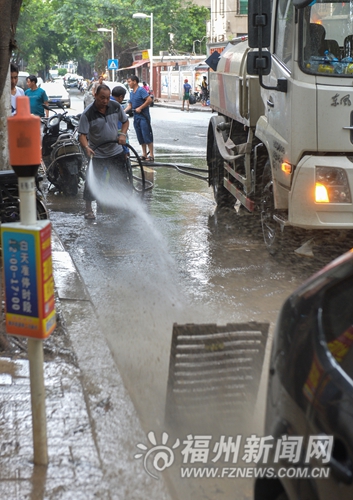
(282, 143)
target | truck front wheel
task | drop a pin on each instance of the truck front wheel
(271, 229)
(223, 198)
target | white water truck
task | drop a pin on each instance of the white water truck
(282, 142)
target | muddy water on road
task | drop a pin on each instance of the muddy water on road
(171, 258)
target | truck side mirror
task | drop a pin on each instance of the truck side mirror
(259, 23)
(258, 64)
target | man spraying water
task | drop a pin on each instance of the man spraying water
(99, 125)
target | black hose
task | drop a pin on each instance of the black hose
(181, 169)
(142, 179)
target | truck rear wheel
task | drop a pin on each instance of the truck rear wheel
(223, 198)
(271, 230)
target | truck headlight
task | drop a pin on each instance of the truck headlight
(331, 185)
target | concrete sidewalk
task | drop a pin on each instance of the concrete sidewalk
(92, 425)
(177, 104)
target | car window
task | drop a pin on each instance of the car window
(22, 82)
(338, 323)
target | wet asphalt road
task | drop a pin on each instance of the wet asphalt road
(171, 258)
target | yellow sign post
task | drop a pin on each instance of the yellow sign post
(27, 264)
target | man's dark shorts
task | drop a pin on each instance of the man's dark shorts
(111, 171)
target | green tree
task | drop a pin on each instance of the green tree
(54, 31)
(10, 10)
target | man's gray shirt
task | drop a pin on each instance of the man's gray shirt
(101, 128)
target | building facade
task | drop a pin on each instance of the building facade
(228, 20)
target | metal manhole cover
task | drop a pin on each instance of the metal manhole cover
(214, 372)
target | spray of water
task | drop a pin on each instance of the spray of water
(116, 196)
(121, 196)
(140, 333)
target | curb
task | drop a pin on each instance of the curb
(113, 418)
(177, 105)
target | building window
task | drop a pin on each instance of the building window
(243, 7)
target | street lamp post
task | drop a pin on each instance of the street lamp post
(193, 44)
(112, 32)
(140, 15)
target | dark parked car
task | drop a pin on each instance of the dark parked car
(310, 390)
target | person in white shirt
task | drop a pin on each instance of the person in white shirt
(15, 91)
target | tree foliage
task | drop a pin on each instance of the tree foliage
(55, 31)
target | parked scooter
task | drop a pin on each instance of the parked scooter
(10, 201)
(54, 126)
(63, 157)
(198, 96)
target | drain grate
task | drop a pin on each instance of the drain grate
(214, 372)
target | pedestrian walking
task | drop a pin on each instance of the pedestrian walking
(139, 103)
(146, 87)
(204, 91)
(186, 95)
(15, 91)
(96, 84)
(37, 97)
(99, 124)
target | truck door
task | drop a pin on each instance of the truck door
(278, 104)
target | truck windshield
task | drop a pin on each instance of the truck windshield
(326, 38)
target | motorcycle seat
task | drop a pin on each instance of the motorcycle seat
(8, 177)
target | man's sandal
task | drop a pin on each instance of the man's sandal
(90, 215)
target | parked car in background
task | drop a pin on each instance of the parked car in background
(59, 79)
(72, 81)
(22, 79)
(310, 389)
(57, 93)
(88, 97)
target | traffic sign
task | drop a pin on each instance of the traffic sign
(113, 64)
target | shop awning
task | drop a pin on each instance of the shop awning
(136, 64)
